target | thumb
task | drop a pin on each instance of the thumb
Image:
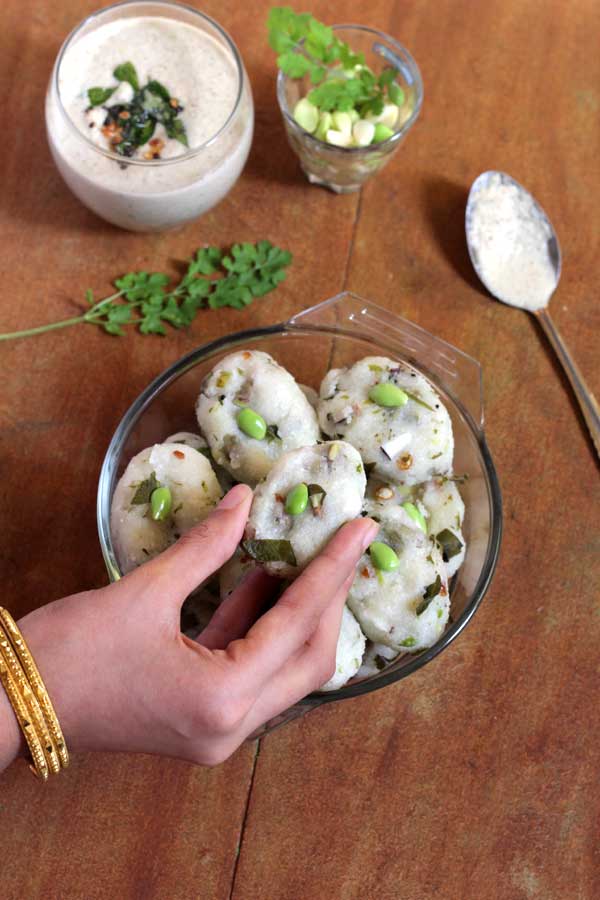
(176, 572)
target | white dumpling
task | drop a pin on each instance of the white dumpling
(233, 572)
(189, 438)
(336, 468)
(199, 443)
(253, 379)
(349, 652)
(407, 444)
(407, 608)
(445, 512)
(376, 658)
(194, 491)
(440, 504)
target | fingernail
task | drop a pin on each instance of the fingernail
(369, 533)
(235, 497)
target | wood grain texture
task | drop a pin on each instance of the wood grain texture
(476, 777)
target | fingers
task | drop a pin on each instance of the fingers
(200, 552)
(238, 612)
(305, 672)
(283, 630)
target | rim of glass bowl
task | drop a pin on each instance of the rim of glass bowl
(405, 60)
(130, 161)
(162, 381)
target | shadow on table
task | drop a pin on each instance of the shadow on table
(271, 157)
(445, 202)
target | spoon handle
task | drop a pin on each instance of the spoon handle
(585, 398)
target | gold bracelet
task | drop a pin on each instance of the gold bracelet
(33, 707)
(40, 766)
(36, 683)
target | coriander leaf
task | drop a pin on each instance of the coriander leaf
(206, 261)
(89, 296)
(293, 64)
(142, 285)
(126, 72)
(118, 313)
(151, 324)
(387, 77)
(97, 95)
(396, 94)
(348, 58)
(322, 34)
(112, 328)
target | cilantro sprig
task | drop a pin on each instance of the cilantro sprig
(150, 301)
(308, 48)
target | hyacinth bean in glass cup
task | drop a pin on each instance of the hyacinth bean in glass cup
(337, 333)
(200, 66)
(345, 169)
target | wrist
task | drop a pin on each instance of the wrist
(48, 642)
(11, 737)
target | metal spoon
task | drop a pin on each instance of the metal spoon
(585, 398)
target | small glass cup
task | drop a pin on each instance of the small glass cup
(345, 169)
(151, 195)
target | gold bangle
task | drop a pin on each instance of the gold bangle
(35, 713)
(40, 767)
(36, 683)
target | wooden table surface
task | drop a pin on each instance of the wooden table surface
(478, 776)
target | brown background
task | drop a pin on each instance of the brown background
(478, 776)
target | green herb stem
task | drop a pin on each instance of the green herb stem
(30, 332)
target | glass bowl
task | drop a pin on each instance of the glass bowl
(345, 169)
(150, 195)
(336, 333)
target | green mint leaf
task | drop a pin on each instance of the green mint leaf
(97, 95)
(126, 72)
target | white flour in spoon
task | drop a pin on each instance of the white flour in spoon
(510, 239)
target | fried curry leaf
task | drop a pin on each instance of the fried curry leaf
(450, 545)
(431, 592)
(270, 550)
(145, 489)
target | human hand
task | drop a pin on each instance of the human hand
(122, 677)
